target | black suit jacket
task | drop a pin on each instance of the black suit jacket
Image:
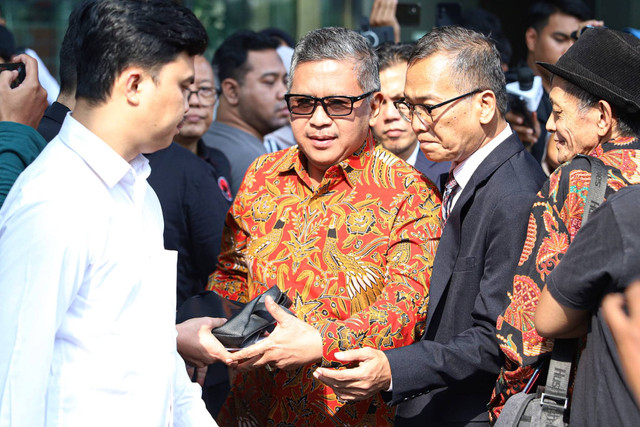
(432, 170)
(447, 377)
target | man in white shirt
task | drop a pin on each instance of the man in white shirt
(87, 327)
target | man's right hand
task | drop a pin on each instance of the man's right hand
(26, 103)
(196, 343)
(527, 135)
(369, 374)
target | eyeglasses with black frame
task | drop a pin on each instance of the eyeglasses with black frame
(206, 95)
(424, 111)
(334, 106)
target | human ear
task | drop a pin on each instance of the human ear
(376, 102)
(530, 38)
(487, 106)
(605, 118)
(230, 90)
(129, 84)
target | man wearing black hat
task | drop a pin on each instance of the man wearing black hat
(596, 111)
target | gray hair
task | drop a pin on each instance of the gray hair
(339, 44)
(475, 60)
(627, 124)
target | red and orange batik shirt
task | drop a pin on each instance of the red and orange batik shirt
(354, 254)
(556, 217)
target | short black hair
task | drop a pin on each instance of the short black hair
(390, 54)
(68, 73)
(489, 24)
(280, 35)
(539, 12)
(230, 59)
(115, 34)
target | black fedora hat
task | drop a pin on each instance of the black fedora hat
(605, 63)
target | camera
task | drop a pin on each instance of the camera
(19, 66)
(378, 35)
(524, 94)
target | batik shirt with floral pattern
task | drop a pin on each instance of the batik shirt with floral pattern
(354, 254)
(556, 217)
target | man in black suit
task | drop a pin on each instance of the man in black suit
(389, 128)
(455, 97)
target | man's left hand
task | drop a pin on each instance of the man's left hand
(372, 374)
(293, 343)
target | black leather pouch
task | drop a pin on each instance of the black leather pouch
(247, 321)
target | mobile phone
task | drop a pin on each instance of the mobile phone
(408, 14)
(448, 14)
(15, 66)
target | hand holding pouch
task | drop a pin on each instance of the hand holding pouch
(247, 322)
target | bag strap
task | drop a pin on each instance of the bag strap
(554, 399)
(597, 186)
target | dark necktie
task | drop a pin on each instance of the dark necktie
(450, 189)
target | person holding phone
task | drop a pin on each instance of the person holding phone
(549, 25)
(21, 109)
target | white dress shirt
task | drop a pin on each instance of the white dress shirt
(463, 172)
(87, 324)
(414, 155)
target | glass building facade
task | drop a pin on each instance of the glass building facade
(40, 24)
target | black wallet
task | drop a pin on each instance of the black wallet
(246, 322)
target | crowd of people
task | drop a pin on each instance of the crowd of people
(428, 235)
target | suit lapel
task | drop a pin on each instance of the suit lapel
(449, 245)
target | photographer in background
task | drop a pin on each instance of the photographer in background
(21, 109)
(383, 14)
(548, 35)
(383, 24)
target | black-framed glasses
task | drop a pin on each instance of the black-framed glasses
(206, 95)
(407, 110)
(334, 106)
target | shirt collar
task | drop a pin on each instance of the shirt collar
(414, 156)
(621, 142)
(463, 172)
(99, 156)
(349, 167)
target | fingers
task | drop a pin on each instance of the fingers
(633, 301)
(357, 355)
(214, 322)
(591, 22)
(30, 65)
(197, 345)
(251, 352)
(375, 11)
(338, 377)
(276, 311)
(383, 13)
(251, 364)
(6, 77)
(525, 133)
(346, 383)
(613, 310)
